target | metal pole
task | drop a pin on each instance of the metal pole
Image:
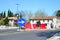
(18, 15)
(17, 7)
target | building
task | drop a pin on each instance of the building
(44, 20)
(57, 22)
(12, 21)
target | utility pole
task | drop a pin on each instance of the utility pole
(17, 7)
(18, 15)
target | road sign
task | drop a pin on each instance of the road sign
(21, 22)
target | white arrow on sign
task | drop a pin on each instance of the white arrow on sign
(21, 22)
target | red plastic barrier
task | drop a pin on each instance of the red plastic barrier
(28, 26)
(42, 26)
(34, 26)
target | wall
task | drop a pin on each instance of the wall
(11, 22)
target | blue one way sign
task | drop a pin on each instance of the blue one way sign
(21, 22)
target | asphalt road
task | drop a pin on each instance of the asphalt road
(29, 35)
(8, 30)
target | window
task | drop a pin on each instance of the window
(48, 20)
(43, 20)
(32, 20)
(15, 20)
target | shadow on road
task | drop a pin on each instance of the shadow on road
(47, 34)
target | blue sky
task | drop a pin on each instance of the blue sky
(48, 6)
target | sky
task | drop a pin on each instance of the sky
(47, 6)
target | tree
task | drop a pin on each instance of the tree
(1, 15)
(4, 15)
(22, 14)
(30, 15)
(25, 14)
(39, 13)
(58, 13)
(6, 21)
(10, 14)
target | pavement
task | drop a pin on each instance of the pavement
(54, 38)
(28, 35)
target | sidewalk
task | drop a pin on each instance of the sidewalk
(6, 27)
(54, 38)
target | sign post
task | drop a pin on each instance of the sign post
(21, 22)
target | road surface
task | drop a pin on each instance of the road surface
(28, 35)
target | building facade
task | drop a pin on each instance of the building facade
(48, 20)
(12, 21)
